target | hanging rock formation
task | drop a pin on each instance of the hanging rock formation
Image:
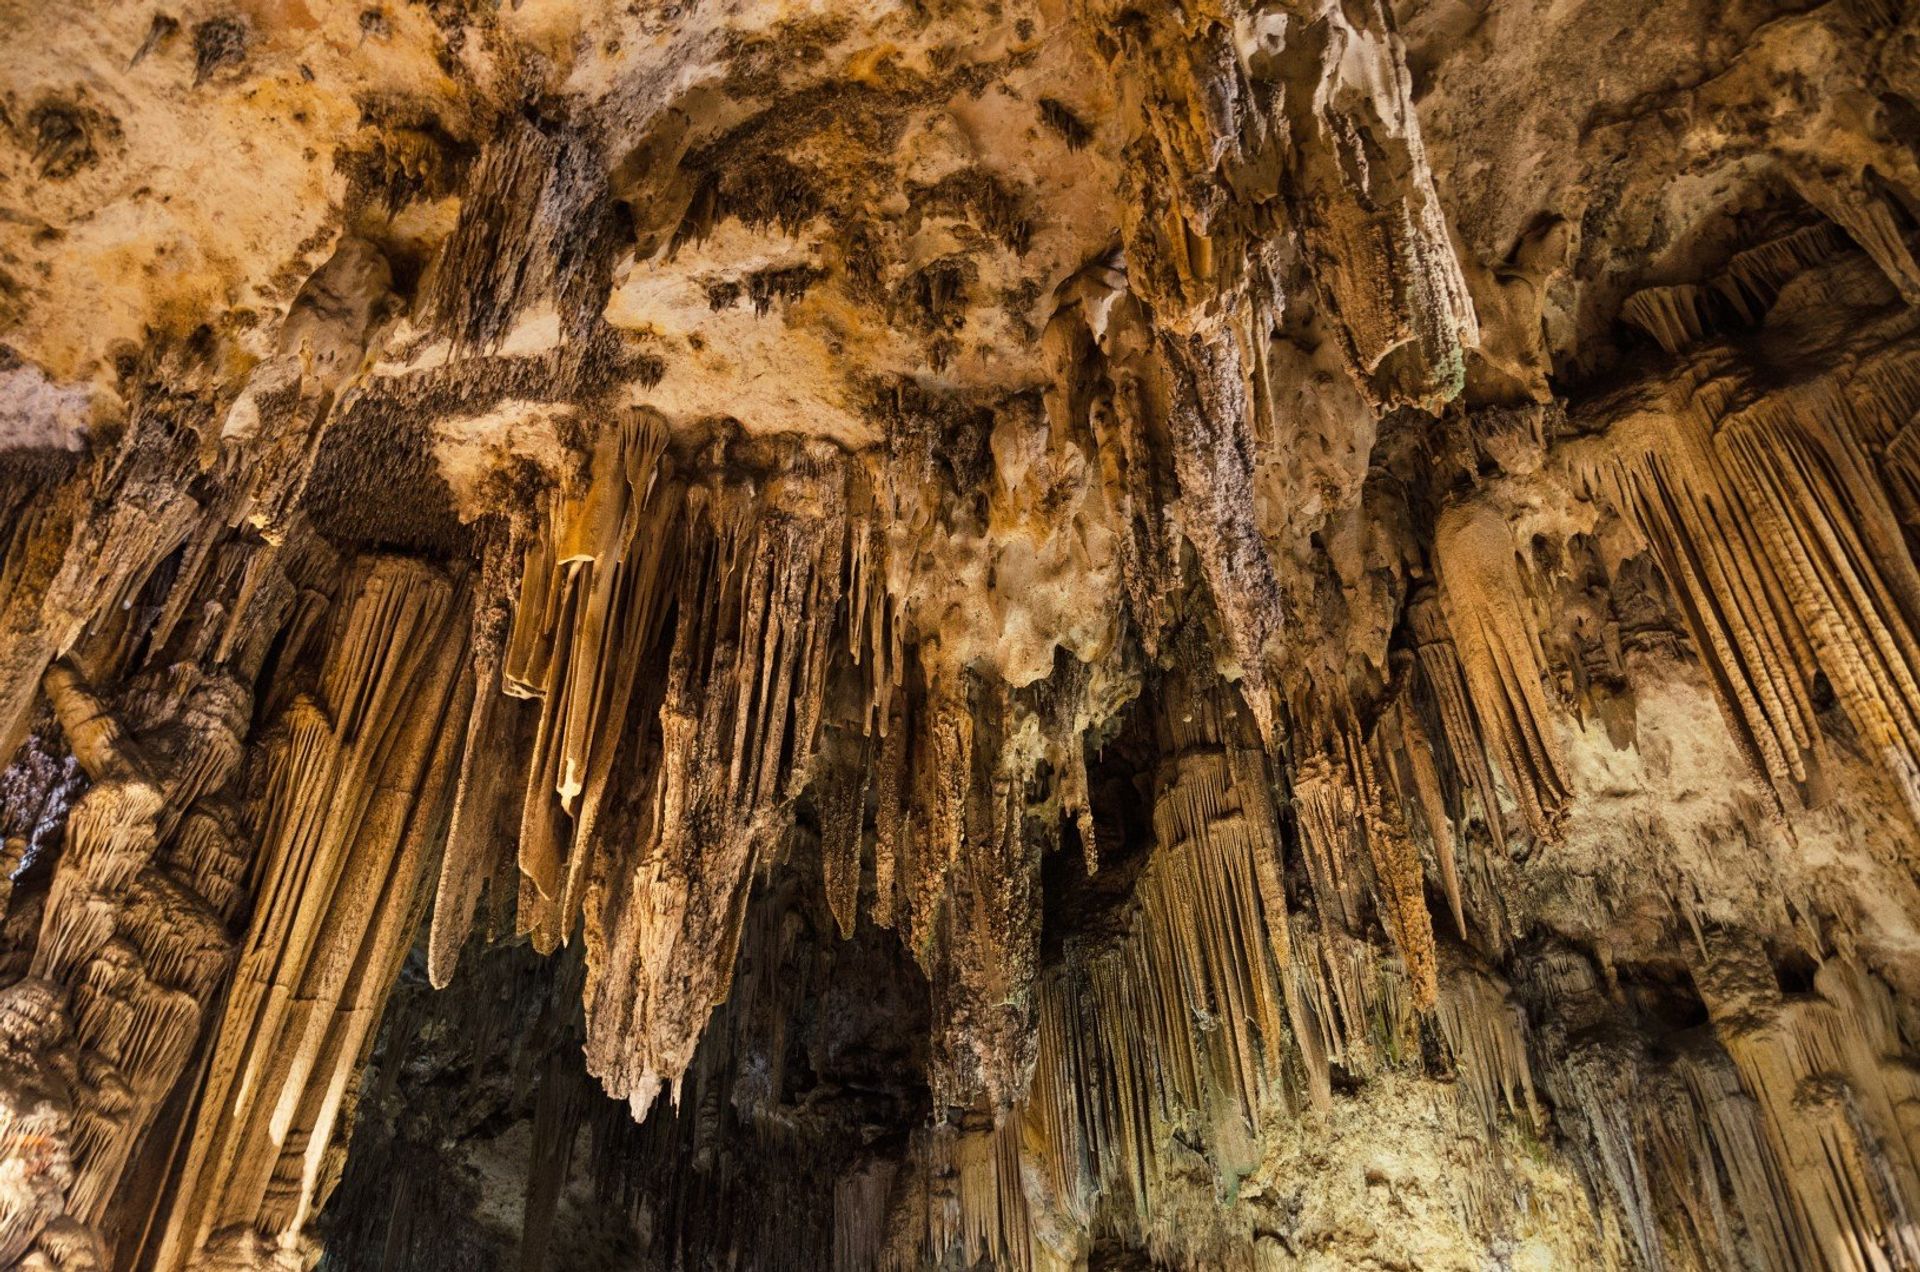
(1052, 636)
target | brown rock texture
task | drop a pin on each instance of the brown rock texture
(1035, 634)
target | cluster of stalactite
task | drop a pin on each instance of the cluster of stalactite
(234, 913)
(684, 663)
(1778, 1128)
(1779, 1131)
(206, 918)
(1773, 521)
(1212, 1018)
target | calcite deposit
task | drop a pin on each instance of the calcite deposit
(897, 634)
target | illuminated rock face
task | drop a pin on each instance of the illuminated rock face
(1037, 635)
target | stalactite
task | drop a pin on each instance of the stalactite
(1676, 317)
(985, 921)
(1213, 460)
(133, 950)
(942, 780)
(1345, 810)
(275, 428)
(1398, 880)
(1460, 729)
(1486, 1030)
(67, 1245)
(533, 208)
(1869, 218)
(1769, 521)
(1754, 277)
(1120, 417)
(875, 626)
(1325, 804)
(340, 795)
(94, 542)
(1731, 1125)
(593, 593)
(859, 1218)
(758, 595)
(890, 790)
(473, 840)
(976, 1207)
(998, 772)
(1671, 482)
(1490, 617)
(1408, 737)
(1824, 519)
(1836, 1105)
(842, 823)
(1370, 219)
(117, 829)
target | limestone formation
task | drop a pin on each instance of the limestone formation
(1057, 634)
